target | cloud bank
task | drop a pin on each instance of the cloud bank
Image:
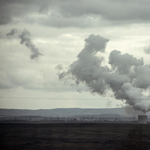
(57, 10)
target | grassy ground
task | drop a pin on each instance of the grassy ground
(73, 136)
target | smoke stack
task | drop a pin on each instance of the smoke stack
(142, 119)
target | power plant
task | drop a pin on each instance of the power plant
(142, 119)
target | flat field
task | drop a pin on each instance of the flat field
(74, 136)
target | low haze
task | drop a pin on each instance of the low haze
(45, 44)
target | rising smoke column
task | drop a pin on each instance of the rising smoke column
(25, 39)
(124, 77)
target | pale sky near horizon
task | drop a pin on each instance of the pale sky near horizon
(58, 29)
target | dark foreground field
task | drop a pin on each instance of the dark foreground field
(74, 136)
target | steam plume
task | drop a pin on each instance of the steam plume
(25, 39)
(127, 76)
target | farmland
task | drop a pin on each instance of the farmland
(58, 136)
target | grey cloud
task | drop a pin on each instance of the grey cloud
(147, 50)
(108, 9)
(112, 10)
(5, 16)
(17, 78)
(4, 19)
(4, 81)
(63, 22)
(20, 78)
(25, 39)
(126, 77)
(9, 10)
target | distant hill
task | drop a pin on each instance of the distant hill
(61, 112)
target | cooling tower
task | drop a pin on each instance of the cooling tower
(142, 119)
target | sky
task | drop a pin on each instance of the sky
(38, 36)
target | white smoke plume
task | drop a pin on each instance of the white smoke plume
(127, 76)
(25, 39)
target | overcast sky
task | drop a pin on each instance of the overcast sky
(36, 36)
